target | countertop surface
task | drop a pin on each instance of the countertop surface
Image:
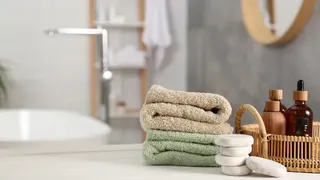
(117, 162)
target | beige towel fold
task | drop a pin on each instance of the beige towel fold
(149, 121)
(207, 101)
(184, 111)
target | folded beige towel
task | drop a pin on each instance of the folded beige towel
(184, 111)
(149, 121)
(219, 105)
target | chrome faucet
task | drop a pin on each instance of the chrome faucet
(102, 65)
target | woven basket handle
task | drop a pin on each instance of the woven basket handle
(262, 128)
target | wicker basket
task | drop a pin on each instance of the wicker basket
(298, 154)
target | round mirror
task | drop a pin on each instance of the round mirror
(276, 21)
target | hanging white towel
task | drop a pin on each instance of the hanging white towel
(156, 35)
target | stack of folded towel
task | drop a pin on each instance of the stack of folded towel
(181, 126)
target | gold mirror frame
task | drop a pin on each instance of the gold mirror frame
(253, 21)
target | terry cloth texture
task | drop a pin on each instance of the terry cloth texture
(185, 111)
(206, 101)
(149, 121)
(158, 135)
(178, 148)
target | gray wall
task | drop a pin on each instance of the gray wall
(224, 59)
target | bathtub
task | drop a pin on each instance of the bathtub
(50, 130)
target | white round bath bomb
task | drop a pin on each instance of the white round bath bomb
(231, 161)
(266, 166)
(234, 140)
(235, 151)
(236, 170)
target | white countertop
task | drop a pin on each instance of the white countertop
(116, 162)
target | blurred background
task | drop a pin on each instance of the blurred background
(209, 47)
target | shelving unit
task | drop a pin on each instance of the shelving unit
(131, 25)
(143, 72)
(128, 116)
(107, 24)
(92, 63)
(125, 68)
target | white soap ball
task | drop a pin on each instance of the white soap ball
(236, 170)
(234, 140)
(230, 161)
(266, 166)
(235, 151)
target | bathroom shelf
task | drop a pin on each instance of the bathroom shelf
(137, 26)
(107, 24)
(125, 116)
(126, 67)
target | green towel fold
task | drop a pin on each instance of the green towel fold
(179, 148)
(158, 135)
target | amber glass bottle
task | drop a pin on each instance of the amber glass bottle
(302, 127)
(304, 147)
(299, 110)
(277, 95)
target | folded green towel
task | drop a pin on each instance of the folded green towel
(179, 148)
(158, 135)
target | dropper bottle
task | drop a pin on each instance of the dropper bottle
(299, 111)
(277, 95)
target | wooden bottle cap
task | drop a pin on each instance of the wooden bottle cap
(300, 95)
(275, 94)
(273, 106)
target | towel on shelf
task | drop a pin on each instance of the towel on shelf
(150, 121)
(184, 111)
(207, 101)
(178, 148)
